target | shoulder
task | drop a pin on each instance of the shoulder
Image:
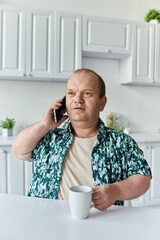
(117, 134)
(53, 138)
(57, 133)
(111, 134)
(119, 138)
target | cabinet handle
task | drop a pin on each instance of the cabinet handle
(23, 74)
(3, 151)
(108, 50)
(29, 75)
(148, 147)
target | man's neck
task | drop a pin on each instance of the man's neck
(81, 131)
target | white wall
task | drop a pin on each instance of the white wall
(27, 101)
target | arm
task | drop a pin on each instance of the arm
(29, 137)
(105, 195)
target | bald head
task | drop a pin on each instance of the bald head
(101, 84)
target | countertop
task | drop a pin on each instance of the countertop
(30, 218)
(146, 137)
(138, 137)
(6, 141)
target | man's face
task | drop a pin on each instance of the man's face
(82, 98)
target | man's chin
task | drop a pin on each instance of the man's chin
(78, 119)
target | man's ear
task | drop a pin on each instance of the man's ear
(102, 104)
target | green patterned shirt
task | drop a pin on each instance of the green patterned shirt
(115, 157)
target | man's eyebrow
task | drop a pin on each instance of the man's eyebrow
(87, 89)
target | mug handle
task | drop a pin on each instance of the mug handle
(92, 205)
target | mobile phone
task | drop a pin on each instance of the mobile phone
(58, 114)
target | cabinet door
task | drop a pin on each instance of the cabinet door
(143, 52)
(153, 195)
(140, 201)
(15, 174)
(68, 44)
(152, 155)
(3, 174)
(157, 54)
(12, 41)
(104, 37)
(40, 43)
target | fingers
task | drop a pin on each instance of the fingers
(97, 192)
(103, 196)
(95, 189)
(97, 202)
(56, 104)
(96, 197)
(101, 207)
(100, 204)
(48, 120)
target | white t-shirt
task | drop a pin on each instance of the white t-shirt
(76, 169)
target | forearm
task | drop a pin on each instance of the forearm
(132, 187)
(106, 195)
(29, 137)
(27, 140)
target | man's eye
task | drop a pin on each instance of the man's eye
(70, 93)
(87, 93)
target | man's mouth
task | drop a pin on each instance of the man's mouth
(77, 108)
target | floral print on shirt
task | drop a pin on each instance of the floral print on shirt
(115, 157)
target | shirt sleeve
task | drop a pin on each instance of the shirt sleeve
(41, 148)
(136, 162)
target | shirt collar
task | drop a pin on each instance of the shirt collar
(102, 132)
(67, 128)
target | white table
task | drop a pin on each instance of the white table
(25, 218)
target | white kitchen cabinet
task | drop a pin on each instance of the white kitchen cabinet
(67, 44)
(157, 54)
(15, 174)
(40, 44)
(37, 45)
(105, 37)
(27, 42)
(143, 54)
(151, 151)
(12, 41)
(153, 195)
(140, 201)
(143, 66)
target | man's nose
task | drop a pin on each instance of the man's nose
(78, 98)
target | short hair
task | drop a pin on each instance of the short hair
(102, 87)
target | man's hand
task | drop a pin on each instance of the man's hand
(104, 196)
(47, 121)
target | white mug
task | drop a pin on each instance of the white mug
(80, 201)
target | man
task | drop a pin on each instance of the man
(85, 152)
